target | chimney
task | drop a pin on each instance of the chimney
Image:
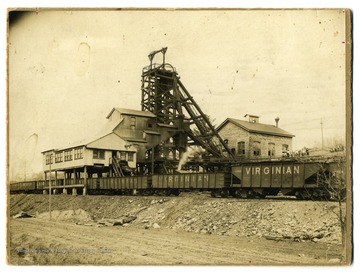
(277, 121)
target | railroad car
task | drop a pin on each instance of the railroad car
(119, 185)
(296, 179)
(175, 183)
(23, 187)
(305, 180)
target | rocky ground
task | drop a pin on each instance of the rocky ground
(267, 220)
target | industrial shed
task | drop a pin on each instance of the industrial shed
(106, 152)
(253, 140)
(120, 148)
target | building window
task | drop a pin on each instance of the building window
(59, 157)
(123, 156)
(285, 148)
(49, 159)
(256, 148)
(241, 148)
(133, 123)
(271, 150)
(98, 154)
(150, 125)
(68, 155)
(78, 153)
(130, 156)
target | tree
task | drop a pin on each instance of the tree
(332, 177)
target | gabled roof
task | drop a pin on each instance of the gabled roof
(256, 127)
(109, 141)
(106, 133)
(131, 112)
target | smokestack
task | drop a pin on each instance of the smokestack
(277, 121)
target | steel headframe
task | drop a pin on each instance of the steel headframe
(165, 95)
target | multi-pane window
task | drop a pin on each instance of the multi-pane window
(98, 154)
(68, 155)
(49, 159)
(271, 150)
(78, 153)
(256, 148)
(59, 157)
(241, 148)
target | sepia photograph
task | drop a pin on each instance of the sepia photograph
(179, 137)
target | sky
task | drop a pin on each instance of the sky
(68, 69)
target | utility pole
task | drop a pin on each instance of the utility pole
(50, 188)
(322, 134)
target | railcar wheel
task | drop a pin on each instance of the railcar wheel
(224, 193)
(250, 194)
(237, 193)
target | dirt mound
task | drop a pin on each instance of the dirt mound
(195, 212)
